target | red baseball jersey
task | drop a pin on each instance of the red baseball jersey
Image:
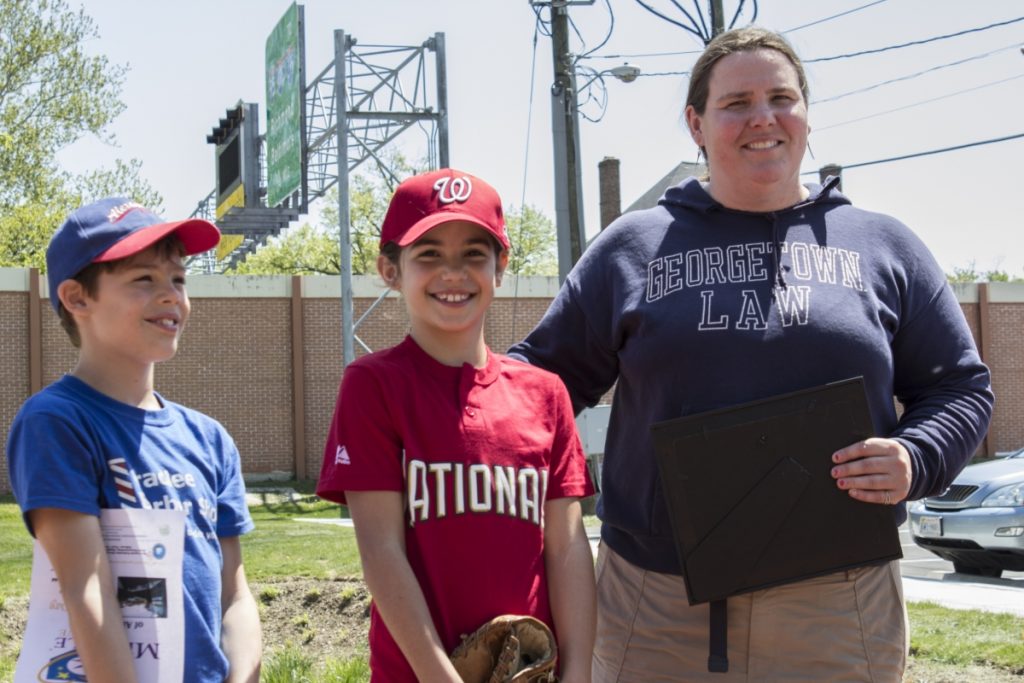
(475, 454)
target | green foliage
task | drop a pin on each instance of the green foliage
(311, 250)
(964, 637)
(355, 670)
(292, 666)
(288, 666)
(286, 547)
(122, 180)
(283, 545)
(305, 250)
(51, 94)
(25, 231)
(534, 242)
(15, 551)
(964, 275)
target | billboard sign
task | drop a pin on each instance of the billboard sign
(285, 73)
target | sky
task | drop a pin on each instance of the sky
(189, 60)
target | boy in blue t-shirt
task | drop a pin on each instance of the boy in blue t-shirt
(101, 437)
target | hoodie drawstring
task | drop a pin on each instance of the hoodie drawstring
(780, 279)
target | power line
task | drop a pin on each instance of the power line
(693, 28)
(915, 42)
(662, 73)
(739, 10)
(608, 35)
(915, 104)
(543, 26)
(529, 109)
(835, 16)
(645, 54)
(914, 75)
(700, 14)
(537, 30)
(924, 154)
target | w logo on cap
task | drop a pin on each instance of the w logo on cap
(453, 189)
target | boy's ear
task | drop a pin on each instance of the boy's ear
(388, 272)
(500, 266)
(72, 296)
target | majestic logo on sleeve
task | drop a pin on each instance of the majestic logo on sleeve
(436, 490)
(341, 456)
(712, 269)
(451, 190)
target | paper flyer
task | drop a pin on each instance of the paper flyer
(145, 548)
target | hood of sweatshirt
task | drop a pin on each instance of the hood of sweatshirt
(691, 195)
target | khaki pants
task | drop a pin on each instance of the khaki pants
(847, 626)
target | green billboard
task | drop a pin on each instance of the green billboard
(284, 57)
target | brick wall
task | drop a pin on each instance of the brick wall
(236, 358)
(14, 369)
(1006, 348)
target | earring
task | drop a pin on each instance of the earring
(809, 150)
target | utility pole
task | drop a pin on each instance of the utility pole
(717, 17)
(568, 182)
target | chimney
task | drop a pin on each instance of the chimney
(608, 181)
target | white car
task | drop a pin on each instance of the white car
(978, 522)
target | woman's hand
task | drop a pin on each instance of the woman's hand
(874, 471)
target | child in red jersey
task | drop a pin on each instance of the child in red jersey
(461, 468)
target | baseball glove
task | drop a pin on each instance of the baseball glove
(507, 649)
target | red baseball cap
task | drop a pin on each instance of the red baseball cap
(425, 201)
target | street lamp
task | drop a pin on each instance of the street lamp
(626, 73)
(565, 112)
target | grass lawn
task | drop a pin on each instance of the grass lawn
(282, 547)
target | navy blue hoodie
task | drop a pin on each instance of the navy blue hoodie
(691, 306)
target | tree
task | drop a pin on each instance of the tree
(51, 94)
(534, 242)
(963, 275)
(305, 250)
(969, 274)
(315, 249)
(309, 250)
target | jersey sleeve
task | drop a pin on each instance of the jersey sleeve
(52, 464)
(364, 448)
(233, 517)
(568, 475)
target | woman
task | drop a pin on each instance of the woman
(742, 287)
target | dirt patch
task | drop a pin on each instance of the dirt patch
(13, 613)
(322, 617)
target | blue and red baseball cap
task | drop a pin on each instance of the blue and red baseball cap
(425, 201)
(112, 229)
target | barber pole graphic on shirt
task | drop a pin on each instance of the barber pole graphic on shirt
(123, 480)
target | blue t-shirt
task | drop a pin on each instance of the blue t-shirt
(74, 448)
